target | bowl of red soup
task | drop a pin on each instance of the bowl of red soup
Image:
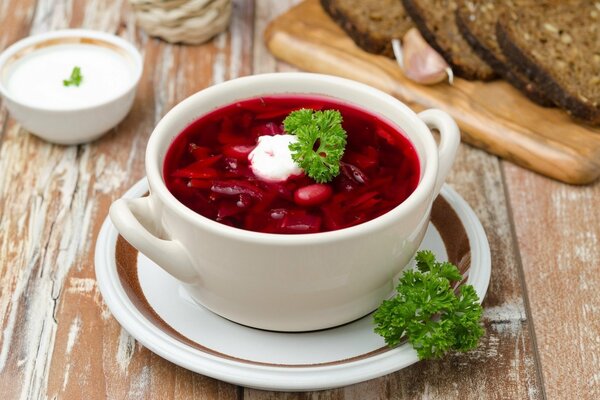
(289, 201)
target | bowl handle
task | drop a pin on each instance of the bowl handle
(170, 255)
(449, 141)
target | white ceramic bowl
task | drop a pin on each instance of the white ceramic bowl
(74, 123)
(276, 281)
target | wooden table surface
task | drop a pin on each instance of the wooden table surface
(58, 340)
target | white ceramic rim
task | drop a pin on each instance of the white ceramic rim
(422, 193)
(271, 377)
(29, 41)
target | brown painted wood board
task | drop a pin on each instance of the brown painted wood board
(558, 231)
(492, 115)
(59, 339)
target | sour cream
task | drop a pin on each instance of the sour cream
(271, 159)
(37, 78)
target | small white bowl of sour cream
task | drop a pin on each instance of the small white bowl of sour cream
(70, 86)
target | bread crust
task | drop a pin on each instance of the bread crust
(484, 74)
(515, 78)
(359, 35)
(543, 78)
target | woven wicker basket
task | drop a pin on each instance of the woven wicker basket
(182, 21)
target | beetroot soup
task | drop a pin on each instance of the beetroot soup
(208, 170)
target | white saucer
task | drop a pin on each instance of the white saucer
(153, 308)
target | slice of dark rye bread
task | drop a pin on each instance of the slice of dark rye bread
(559, 49)
(476, 20)
(435, 19)
(372, 24)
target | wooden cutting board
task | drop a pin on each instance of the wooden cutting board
(493, 115)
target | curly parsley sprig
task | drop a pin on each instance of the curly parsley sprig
(428, 313)
(321, 142)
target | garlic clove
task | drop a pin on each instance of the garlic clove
(419, 61)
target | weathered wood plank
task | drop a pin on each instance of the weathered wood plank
(19, 233)
(15, 18)
(558, 230)
(59, 340)
(266, 11)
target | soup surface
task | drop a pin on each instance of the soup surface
(207, 169)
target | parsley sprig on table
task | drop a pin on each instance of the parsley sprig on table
(321, 142)
(75, 78)
(429, 313)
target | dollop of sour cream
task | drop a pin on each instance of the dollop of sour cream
(271, 159)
